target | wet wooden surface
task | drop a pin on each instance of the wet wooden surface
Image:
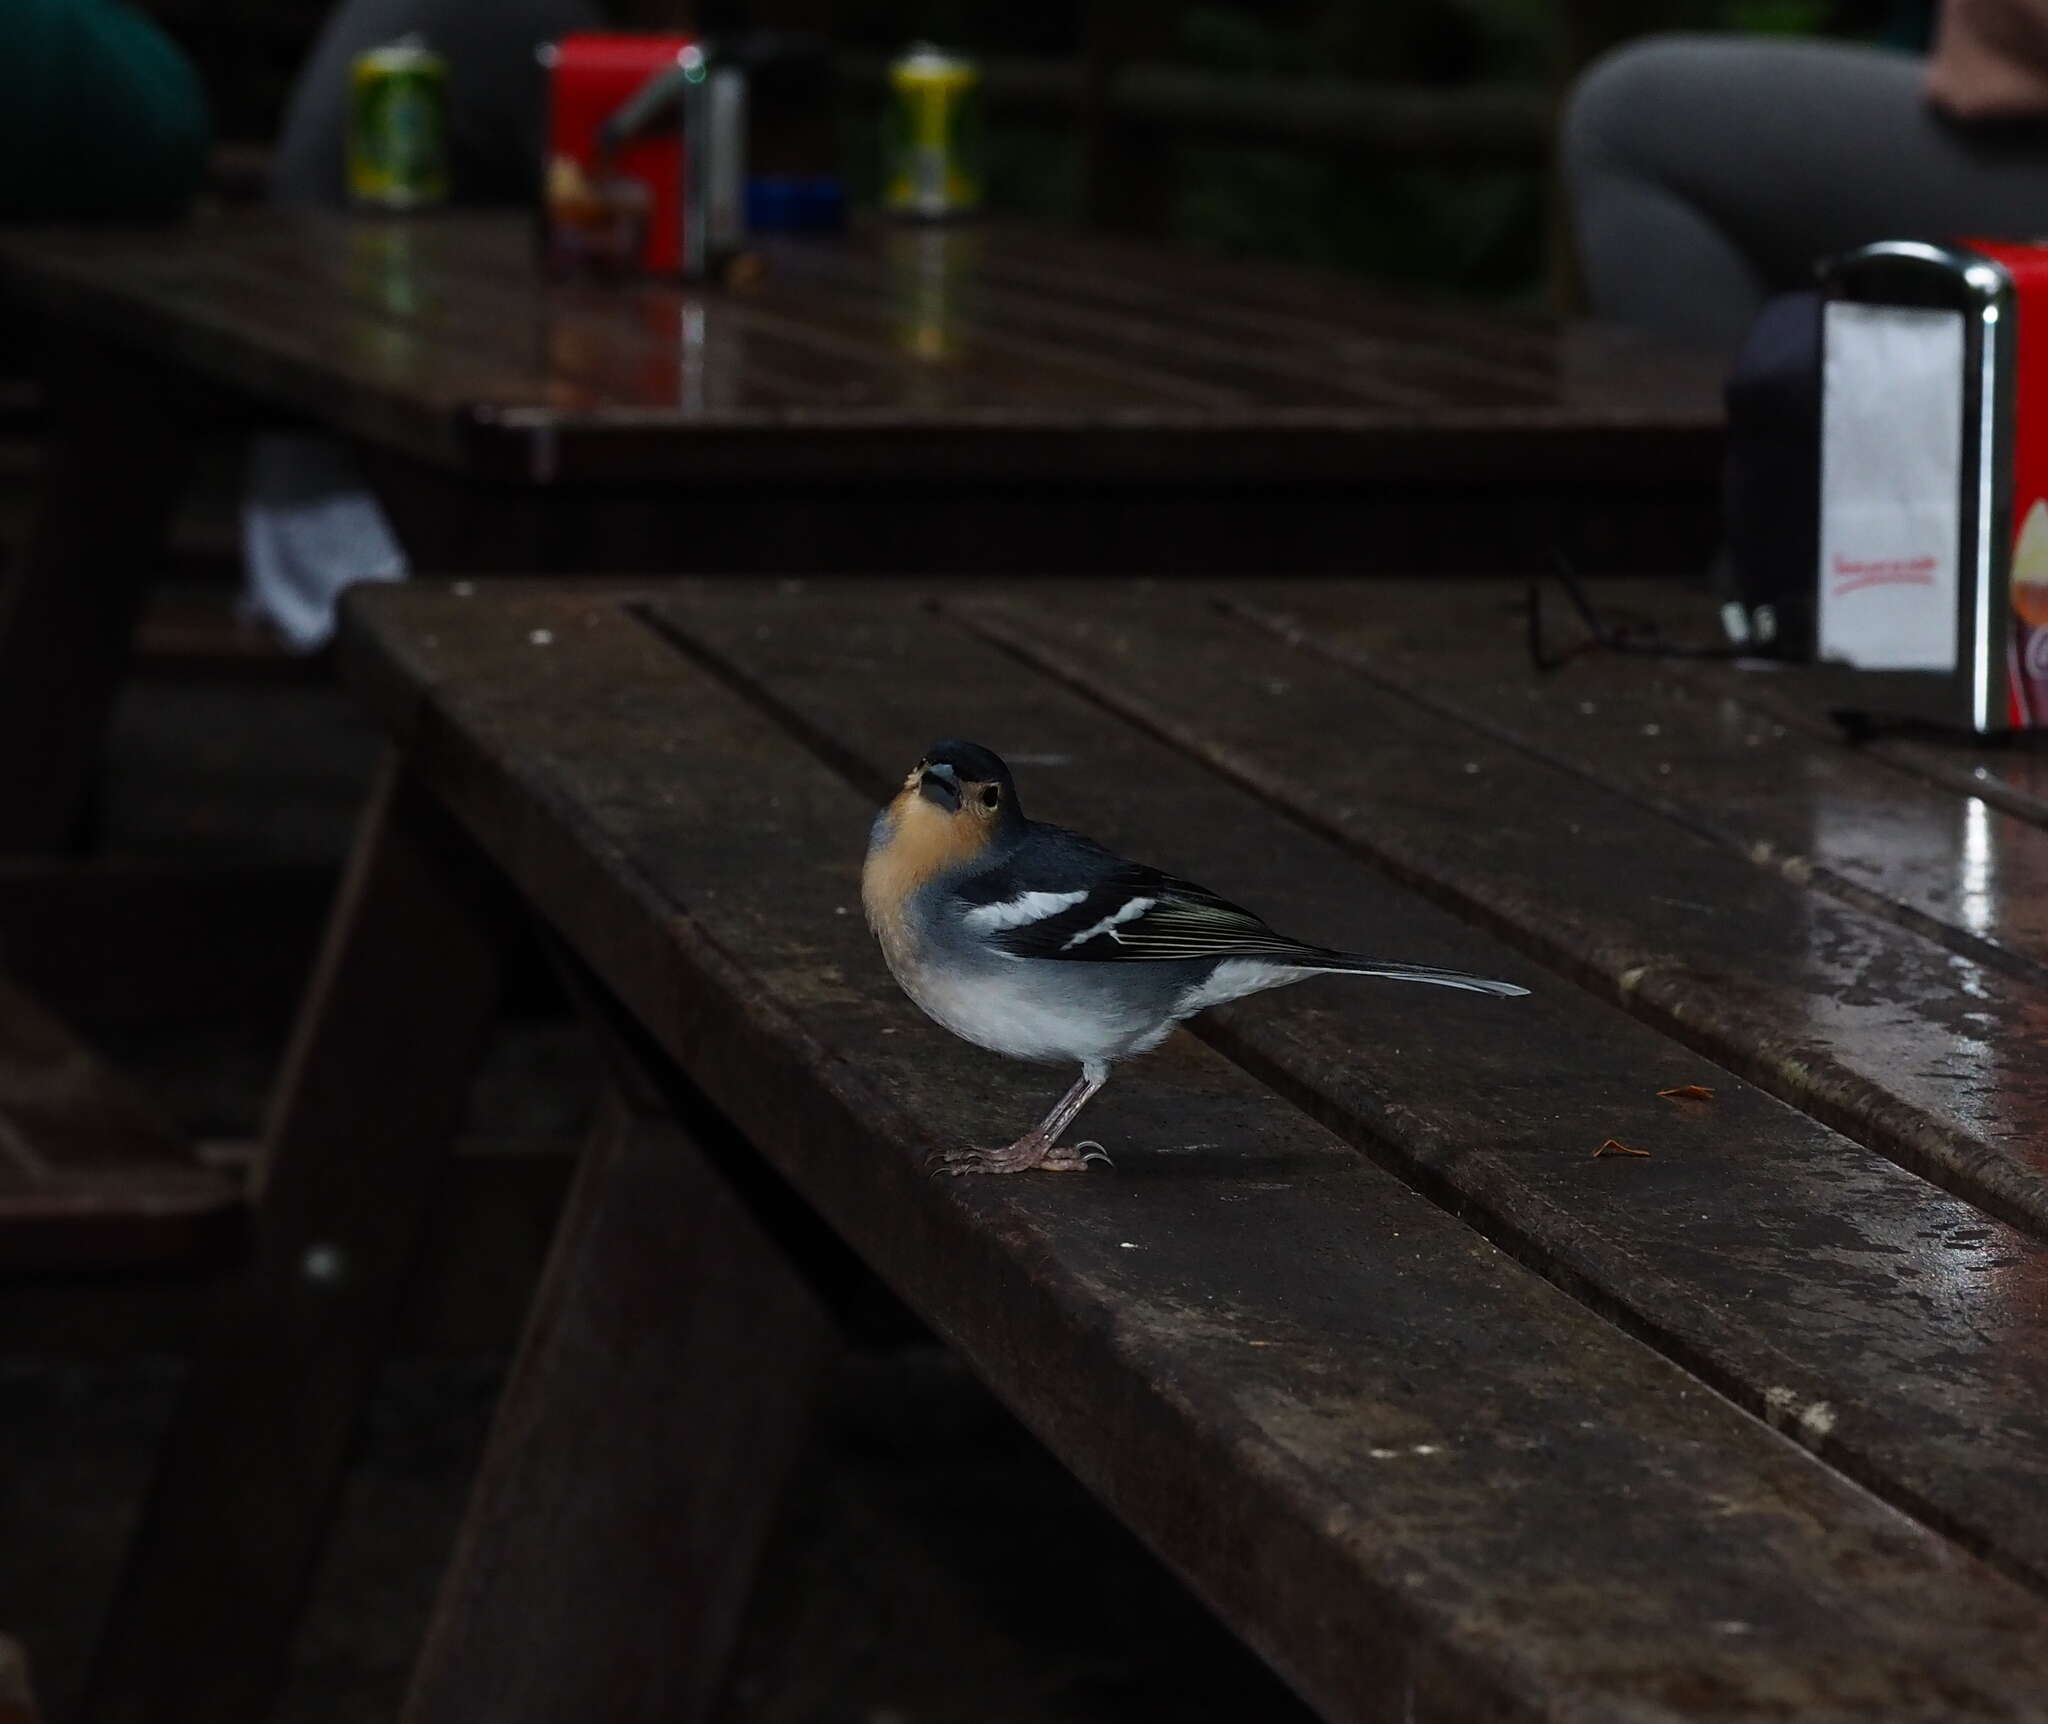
(983, 351)
(1862, 940)
(1447, 1415)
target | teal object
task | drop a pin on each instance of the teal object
(101, 114)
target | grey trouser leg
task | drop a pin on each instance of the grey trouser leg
(1707, 172)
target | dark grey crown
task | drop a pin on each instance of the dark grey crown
(973, 763)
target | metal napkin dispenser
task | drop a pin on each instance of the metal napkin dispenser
(1933, 529)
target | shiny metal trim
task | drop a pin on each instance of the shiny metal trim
(1994, 525)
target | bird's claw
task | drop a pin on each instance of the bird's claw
(1018, 1158)
(975, 1161)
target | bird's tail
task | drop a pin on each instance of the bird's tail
(1349, 963)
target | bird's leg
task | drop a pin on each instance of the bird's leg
(1040, 1146)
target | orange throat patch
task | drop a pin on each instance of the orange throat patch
(923, 842)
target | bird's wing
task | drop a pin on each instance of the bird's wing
(1130, 914)
(1062, 896)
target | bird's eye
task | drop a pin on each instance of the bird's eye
(991, 794)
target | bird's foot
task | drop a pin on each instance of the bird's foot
(1029, 1154)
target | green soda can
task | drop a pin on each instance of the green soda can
(934, 135)
(398, 127)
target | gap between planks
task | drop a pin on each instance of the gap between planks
(1483, 1218)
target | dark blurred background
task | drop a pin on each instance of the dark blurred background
(1407, 140)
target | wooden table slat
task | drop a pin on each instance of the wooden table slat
(324, 359)
(940, 272)
(1294, 298)
(854, 346)
(1318, 367)
(1583, 363)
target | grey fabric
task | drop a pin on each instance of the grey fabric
(1707, 172)
(495, 91)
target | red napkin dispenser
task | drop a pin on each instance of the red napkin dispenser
(591, 77)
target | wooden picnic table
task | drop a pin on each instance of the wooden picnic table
(889, 355)
(1448, 1414)
(985, 397)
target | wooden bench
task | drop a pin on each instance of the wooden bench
(17, 1704)
(91, 1178)
(97, 1193)
(1442, 1411)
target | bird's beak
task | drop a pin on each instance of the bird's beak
(940, 785)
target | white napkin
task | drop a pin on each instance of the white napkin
(309, 529)
(1891, 468)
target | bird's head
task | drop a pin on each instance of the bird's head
(964, 781)
(955, 806)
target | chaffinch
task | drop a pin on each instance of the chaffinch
(1035, 942)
